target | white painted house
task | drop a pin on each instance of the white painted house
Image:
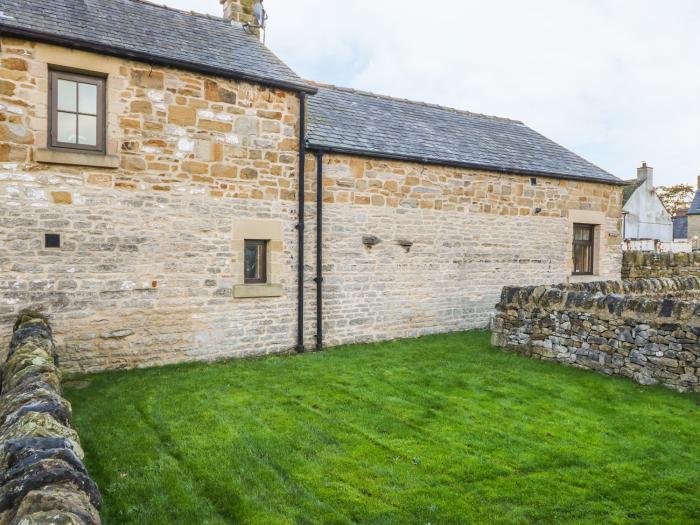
(644, 215)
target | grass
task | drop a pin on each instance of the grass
(439, 430)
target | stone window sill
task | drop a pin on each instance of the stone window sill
(71, 158)
(585, 278)
(255, 291)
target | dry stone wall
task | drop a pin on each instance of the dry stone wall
(43, 479)
(647, 330)
(644, 265)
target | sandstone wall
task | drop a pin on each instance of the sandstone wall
(152, 250)
(450, 239)
(646, 330)
(43, 477)
(644, 265)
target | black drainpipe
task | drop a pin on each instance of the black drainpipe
(300, 226)
(319, 250)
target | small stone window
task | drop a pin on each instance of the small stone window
(76, 112)
(583, 248)
(255, 262)
(52, 240)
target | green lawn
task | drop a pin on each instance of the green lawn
(439, 430)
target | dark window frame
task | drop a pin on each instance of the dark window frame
(96, 79)
(590, 243)
(262, 262)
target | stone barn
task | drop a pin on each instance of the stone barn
(189, 197)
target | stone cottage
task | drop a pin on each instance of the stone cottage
(645, 216)
(151, 162)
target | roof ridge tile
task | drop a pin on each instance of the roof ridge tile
(182, 11)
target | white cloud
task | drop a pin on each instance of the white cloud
(617, 81)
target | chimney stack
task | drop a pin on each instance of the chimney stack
(646, 173)
(698, 182)
(242, 11)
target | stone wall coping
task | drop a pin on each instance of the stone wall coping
(666, 259)
(625, 299)
(43, 477)
(643, 265)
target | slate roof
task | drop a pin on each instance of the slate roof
(695, 206)
(680, 227)
(157, 34)
(349, 121)
(630, 187)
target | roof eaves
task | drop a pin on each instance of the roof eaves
(456, 164)
(86, 45)
(617, 181)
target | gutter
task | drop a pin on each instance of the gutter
(467, 165)
(300, 225)
(105, 49)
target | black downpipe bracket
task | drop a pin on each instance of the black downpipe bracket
(300, 225)
(319, 250)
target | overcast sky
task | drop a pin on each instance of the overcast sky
(616, 81)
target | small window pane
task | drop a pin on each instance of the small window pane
(583, 249)
(255, 262)
(67, 95)
(87, 127)
(67, 131)
(582, 233)
(252, 261)
(88, 98)
(582, 258)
